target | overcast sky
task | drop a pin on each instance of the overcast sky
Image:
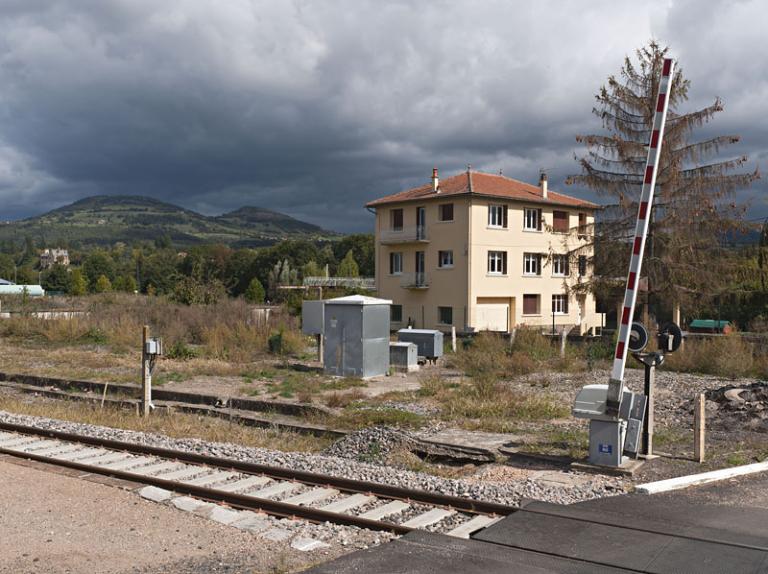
(313, 108)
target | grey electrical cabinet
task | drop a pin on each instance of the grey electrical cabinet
(404, 357)
(312, 317)
(429, 342)
(356, 330)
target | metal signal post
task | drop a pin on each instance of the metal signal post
(616, 382)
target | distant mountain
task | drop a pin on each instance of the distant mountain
(106, 219)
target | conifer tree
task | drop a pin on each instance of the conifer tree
(694, 210)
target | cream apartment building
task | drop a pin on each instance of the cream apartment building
(484, 252)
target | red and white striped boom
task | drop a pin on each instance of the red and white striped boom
(616, 383)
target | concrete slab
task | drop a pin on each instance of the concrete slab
(57, 451)
(275, 489)
(244, 484)
(252, 522)
(628, 468)
(307, 544)
(472, 525)
(388, 509)
(559, 479)
(34, 447)
(155, 494)
(276, 534)
(182, 474)
(18, 441)
(130, 463)
(429, 518)
(348, 503)
(188, 504)
(219, 514)
(211, 479)
(102, 459)
(82, 453)
(163, 466)
(312, 496)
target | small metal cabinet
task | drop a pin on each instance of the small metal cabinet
(428, 341)
(404, 357)
(356, 330)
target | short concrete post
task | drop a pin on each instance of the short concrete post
(453, 339)
(146, 374)
(563, 339)
(512, 337)
(699, 424)
(320, 348)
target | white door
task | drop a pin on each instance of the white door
(492, 317)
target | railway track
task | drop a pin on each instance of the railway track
(276, 491)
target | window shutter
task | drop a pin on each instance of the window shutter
(505, 216)
(538, 264)
(504, 262)
(565, 304)
(540, 219)
(567, 264)
(391, 263)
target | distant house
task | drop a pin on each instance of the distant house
(51, 257)
(710, 326)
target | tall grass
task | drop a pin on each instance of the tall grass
(227, 330)
(727, 356)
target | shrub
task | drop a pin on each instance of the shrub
(255, 292)
(725, 356)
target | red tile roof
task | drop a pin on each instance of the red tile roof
(483, 184)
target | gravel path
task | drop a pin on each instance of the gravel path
(506, 493)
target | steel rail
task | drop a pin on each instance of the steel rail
(344, 484)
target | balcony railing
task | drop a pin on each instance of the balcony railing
(416, 234)
(414, 280)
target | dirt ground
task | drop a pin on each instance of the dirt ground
(55, 524)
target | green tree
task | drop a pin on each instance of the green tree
(103, 284)
(25, 275)
(56, 278)
(281, 274)
(77, 283)
(125, 283)
(363, 248)
(97, 264)
(255, 292)
(694, 207)
(311, 269)
(348, 266)
(7, 266)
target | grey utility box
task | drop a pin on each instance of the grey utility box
(356, 330)
(404, 357)
(428, 341)
(312, 317)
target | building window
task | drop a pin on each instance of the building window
(445, 212)
(531, 305)
(396, 313)
(532, 219)
(445, 259)
(497, 262)
(560, 304)
(445, 315)
(396, 219)
(582, 265)
(531, 264)
(582, 224)
(497, 216)
(395, 263)
(560, 221)
(560, 266)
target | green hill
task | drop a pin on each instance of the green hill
(106, 219)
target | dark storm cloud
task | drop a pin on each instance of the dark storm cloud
(315, 108)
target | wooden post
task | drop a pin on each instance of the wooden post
(453, 338)
(146, 374)
(676, 313)
(320, 348)
(699, 424)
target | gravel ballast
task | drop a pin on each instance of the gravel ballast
(510, 493)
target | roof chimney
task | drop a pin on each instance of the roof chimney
(435, 181)
(543, 184)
